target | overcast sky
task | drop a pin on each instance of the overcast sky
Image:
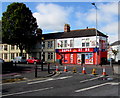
(51, 16)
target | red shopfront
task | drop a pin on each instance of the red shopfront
(78, 55)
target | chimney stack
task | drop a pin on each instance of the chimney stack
(66, 28)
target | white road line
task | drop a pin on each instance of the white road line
(41, 81)
(115, 83)
(89, 79)
(27, 91)
(49, 80)
(84, 89)
(64, 77)
(88, 88)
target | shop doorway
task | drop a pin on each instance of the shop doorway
(83, 58)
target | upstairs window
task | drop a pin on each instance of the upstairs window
(12, 47)
(83, 44)
(50, 44)
(5, 47)
(87, 44)
(71, 43)
(65, 44)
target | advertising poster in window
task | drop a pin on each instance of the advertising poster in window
(66, 60)
(89, 58)
(78, 58)
(71, 58)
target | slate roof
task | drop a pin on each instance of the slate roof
(74, 34)
(115, 43)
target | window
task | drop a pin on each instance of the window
(50, 44)
(12, 47)
(43, 56)
(17, 54)
(65, 44)
(61, 43)
(12, 55)
(87, 44)
(71, 43)
(43, 45)
(24, 54)
(50, 55)
(5, 47)
(83, 44)
(17, 47)
(5, 56)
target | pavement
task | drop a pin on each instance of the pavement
(24, 73)
(29, 73)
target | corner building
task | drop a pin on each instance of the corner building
(79, 46)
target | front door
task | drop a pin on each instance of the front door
(83, 58)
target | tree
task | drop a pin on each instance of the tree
(115, 52)
(18, 26)
(0, 31)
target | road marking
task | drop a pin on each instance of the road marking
(84, 89)
(27, 91)
(88, 88)
(50, 79)
(89, 79)
(64, 77)
(112, 83)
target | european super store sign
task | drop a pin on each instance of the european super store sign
(76, 50)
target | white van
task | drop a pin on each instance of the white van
(19, 59)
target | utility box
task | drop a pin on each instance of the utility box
(116, 69)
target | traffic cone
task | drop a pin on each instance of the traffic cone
(83, 71)
(65, 69)
(74, 69)
(94, 71)
(104, 72)
(57, 68)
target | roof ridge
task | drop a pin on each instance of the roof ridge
(83, 29)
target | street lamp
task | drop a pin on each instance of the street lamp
(96, 34)
(42, 39)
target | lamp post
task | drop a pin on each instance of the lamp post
(96, 34)
(42, 53)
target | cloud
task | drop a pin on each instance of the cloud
(107, 18)
(52, 17)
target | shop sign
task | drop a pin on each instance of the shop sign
(76, 50)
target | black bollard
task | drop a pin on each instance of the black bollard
(49, 68)
(42, 66)
(35, 70)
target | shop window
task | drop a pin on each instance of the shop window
(5, 47)
(5, 56)
(87, 44)
(65, 44)
(83, 44)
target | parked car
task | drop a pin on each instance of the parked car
(19, 59)
(1, 61)
(33, 60)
